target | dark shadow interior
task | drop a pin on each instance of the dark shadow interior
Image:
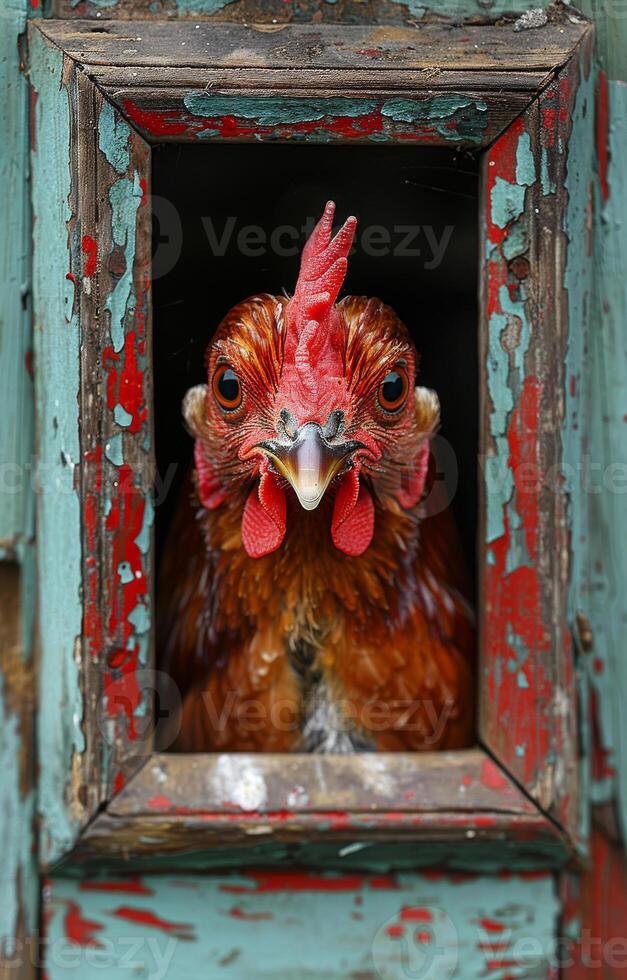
(218, 215)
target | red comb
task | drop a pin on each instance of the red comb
(312, 324)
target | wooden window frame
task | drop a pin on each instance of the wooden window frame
(102, 94)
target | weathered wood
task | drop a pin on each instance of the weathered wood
(305, 46)
(16, 419)
(432, 84)
(56, 334)
(594, 912)
(288, 924)
(18, 871)
(528, 718)
(601, 567)
(224, 807)
(273, 12)
(323, 81)
(116, 441)
(464, 781)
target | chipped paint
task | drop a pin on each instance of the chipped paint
(432, 925)
(396, 11)
(530, 686)
(439, 119)
(578, 282)
(17, 871)
(125, 197)
(603, 564)
(57, 385)
(113, 138)
(16, 418)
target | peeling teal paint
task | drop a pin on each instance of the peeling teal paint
(602, 566)
(113, 138)
(236, 927)
(16, 817)
(57, 384)
(122, 417)
(125, 197)
(267, 111)
(578, 282)
(144, 537)
(508, 201)
(525, 163)
(470, 123)
(454, 117)
(114, 449)
(201, 6)
(125, 572)
(507, 210)
(16, 418)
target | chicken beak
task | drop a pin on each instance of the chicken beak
(309, 462)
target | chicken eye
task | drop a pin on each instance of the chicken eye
(393, 390)
(227, 388)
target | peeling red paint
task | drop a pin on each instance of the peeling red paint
(92, 618)
(80, 931)
(125, 381)
(124, 523)
(416, 914)
(491, 776)
(144, 917)
(237, 913)
(602, 133)
(307, 881)
(90, 252)
(159, 802)
(165, 123)
(491, 925)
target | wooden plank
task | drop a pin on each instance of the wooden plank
(16, 419)
(251, 807)
(392, 840)
(465, 781)
(528, 718)
(325, 926)
(323, 81)
(471, 119)
(592, 933)
(56, 330)
(602, 561)
(273, 12)
(311, 83)
(95, 514)
(19, 885)
(455, 48)
(116, 442)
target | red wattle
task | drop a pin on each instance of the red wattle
(352, 526)
(263, 523)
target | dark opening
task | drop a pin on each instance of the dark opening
(218, 211)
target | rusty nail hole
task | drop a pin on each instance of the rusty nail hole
(519, 267)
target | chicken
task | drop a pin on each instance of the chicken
(305, 605)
